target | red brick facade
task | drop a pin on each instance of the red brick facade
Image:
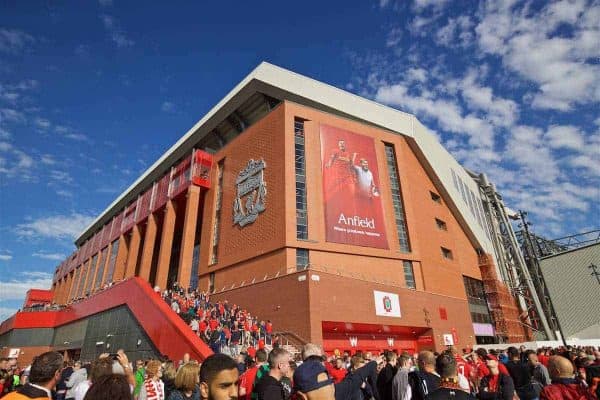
(256, 265)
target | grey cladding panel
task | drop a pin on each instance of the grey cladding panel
(575, 293)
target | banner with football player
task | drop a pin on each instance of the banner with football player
(353, 209)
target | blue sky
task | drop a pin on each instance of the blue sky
(91, 93)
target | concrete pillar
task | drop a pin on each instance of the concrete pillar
(189, 234)
(134, 248)
(121, 261)
(166, 244)
(148, 249)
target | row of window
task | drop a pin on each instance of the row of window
(472, 201)
(441, 225)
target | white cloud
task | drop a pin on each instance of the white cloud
(5, 257)
(64, 193)
(563, 67)
(42, 123)
(565, 136)
(420, 5)
(47, 159)
(116, 33)
(4, 134)
(502, 112)
(80, 137)
(447, 113)
(457, 32)
(527, 149)
(13, 40)
(57, 226)
(16, 289)
(167, 106)
(61, 177)
(16, 162)
(62, 129)
(49, 256)
(10, 114)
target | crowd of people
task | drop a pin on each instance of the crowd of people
(224, 327)
(546, 374)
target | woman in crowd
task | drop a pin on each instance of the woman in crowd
(168, 377)
(110, 387)
(153, 388)
(186, 383)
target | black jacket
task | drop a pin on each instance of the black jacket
(269, 388)
(384, 382)
(422, 383)
(449, 394)
(506, 388)
(347, 388)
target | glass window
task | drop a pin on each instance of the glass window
(302, 260)
(441, 224)
(90, 277)
(400, 218)
(100, 269)
(211, 282)
(436, 197)
(195, 261)
(114, 250)
(409, 276)
(300, 168)
(447, 253)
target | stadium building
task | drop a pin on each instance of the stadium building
(343, 221)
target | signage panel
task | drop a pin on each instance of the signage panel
(387, 304)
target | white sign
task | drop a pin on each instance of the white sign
(353, 341)
(448, 339)
(387, 304)
(14, 353)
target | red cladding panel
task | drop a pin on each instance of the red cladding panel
(162, 192)
(181, 177)
(201, 171)
(129, 216)
(144, 205)
(37, 296)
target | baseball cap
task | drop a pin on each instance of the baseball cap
(306, 377)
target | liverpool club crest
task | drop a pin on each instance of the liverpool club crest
(387, 304)
(251, 193)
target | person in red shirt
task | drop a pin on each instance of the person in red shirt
(247, 379)
(564, 386)
(337, 371)
(251, 351)
(213, 323)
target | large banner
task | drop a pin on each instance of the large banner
(353, 211)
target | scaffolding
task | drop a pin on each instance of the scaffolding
(512, 266)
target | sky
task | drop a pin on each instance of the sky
(92, 93)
